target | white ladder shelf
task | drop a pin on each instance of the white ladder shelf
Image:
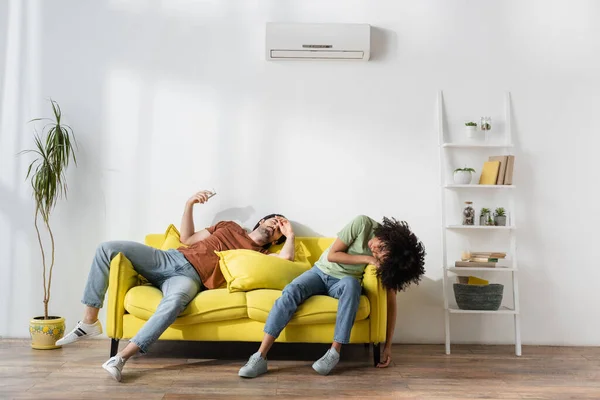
(448, 187)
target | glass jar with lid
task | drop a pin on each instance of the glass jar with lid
(468, 214)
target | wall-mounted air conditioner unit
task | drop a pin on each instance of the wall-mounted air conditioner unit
(318, 41)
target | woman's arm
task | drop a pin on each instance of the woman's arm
(337, 254)
(391, 326)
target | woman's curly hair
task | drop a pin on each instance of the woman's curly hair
(405, 257)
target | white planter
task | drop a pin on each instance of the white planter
(463, 177)
(471, 131)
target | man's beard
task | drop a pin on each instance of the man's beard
(265, 233)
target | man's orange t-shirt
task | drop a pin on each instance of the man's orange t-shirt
(226, 235)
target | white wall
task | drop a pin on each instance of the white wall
(168, 97)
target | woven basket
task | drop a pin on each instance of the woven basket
(478, 297)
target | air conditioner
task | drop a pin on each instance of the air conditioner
(318, 41)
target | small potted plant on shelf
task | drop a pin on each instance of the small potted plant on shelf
(500, 216)
(486, 123)
(471, 128)
(463, 176)
(484, 216)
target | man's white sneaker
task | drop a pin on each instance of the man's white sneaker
(114, 366)
(81, 331)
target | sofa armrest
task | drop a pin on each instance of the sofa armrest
(377, 296)
(155, 240)
(122, 278)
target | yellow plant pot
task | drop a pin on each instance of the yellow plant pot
(45, 332)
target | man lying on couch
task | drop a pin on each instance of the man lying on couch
(180, 274)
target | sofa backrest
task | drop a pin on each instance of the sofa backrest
(316, 246)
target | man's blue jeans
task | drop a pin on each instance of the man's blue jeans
(314, 282)
(168, 270)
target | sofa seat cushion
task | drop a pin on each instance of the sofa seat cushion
(207, 306)
(315, 310)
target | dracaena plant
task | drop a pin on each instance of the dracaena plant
(54, 150)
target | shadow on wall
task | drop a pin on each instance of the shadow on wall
(530, 236)
(384, 43)
(16, 215)
(414, 304)
(430, 293)
(241, 214)
(304, 231)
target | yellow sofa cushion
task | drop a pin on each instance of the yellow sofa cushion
(172, 239)
(246, 270)
(301, 252)
(316, 246)
(315, 310)
(207, 306)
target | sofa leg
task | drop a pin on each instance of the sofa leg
(114, 347)
(376, 354)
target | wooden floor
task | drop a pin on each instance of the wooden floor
(185, 371)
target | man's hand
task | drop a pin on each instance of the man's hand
(188, 234)
(285, 227)
(386, 357)
(200, 197)
(288, 250)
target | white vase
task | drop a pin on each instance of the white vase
(471, 131)
(463, 177)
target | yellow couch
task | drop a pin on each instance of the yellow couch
(217, 315)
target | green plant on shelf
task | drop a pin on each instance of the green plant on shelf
(484, 212)
(499, 212)
(471, 123)
(465, 169)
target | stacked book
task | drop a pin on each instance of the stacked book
(481, 260)
(498, 170)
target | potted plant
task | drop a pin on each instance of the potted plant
(500, 216)
(486, 123)
(463, 176)
(471, 128)
(484, 216)
(53, 152)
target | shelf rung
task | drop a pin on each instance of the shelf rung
(502, 310)
(495, 269)
(477, 186)
(499, 228)
(477, 146)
